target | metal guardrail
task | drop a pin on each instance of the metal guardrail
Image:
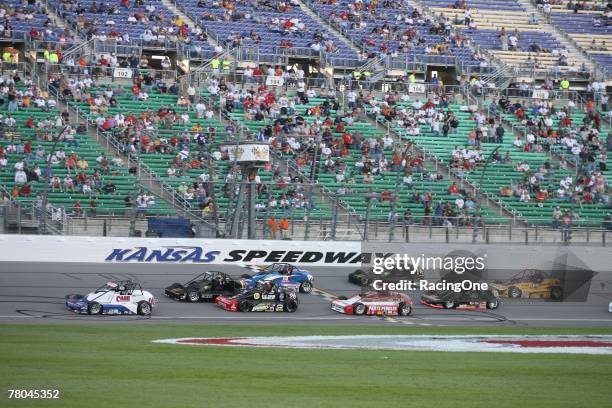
(308, 227)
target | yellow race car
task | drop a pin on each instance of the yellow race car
(530, 283)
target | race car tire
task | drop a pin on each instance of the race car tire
(306, 287)
(404, 309)
(245, 306)
(94, 308)
(245, 276)
(359, 309)
(493, 304)
(144, 308)
(449, 304)
(342, 298)
(291, 306)
(514, 292)
(556, 292)
(193, 295)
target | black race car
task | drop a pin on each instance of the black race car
(206, 286)
(264, 297)
(365, 276)
(465, 299)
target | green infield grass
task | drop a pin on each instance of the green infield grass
(116, 365)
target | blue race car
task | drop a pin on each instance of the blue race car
(282, 274)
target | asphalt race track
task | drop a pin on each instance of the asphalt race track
(34, 293)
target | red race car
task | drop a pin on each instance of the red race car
(374, 303)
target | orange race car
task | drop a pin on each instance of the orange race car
(530, 283)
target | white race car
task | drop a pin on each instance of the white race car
(114, 298)
(374, 302)
(610, 307)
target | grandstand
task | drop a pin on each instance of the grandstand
(463, 115)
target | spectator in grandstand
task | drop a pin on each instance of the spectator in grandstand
(76, 208)
(556, 217)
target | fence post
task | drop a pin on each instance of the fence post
(392, 223)
(367, 220)
(19, 217)
(588, 235)
(334, 218)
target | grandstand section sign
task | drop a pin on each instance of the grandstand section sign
(540, 94)
(275, 81)
(122, 73)
(416, 88)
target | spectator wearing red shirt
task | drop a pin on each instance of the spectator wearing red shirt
(135, 92)
(76, 208)
(27, 149)
(587, 197)
(453, 189)
(347, 139)
(344, 152)
(541, 196)
(25, 191)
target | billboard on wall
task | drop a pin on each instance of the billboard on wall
(37, 248)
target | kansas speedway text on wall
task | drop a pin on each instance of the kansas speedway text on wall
(38, 248)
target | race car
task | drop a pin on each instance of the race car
(365, 276)
(374, 303)
(264, 297)
(114, 298)
(465, 299)
(610, 307)
(206, 286)
(530, 283)
(282, 274)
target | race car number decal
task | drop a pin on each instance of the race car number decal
(268, 297)
(123, 298)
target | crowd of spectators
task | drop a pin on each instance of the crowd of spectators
(34, 19)
(550, 127)
(35, 163)
(151, 23)
(276, 18)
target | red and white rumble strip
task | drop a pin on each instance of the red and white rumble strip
(586, 344)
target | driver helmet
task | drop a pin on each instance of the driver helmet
(268, 287)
